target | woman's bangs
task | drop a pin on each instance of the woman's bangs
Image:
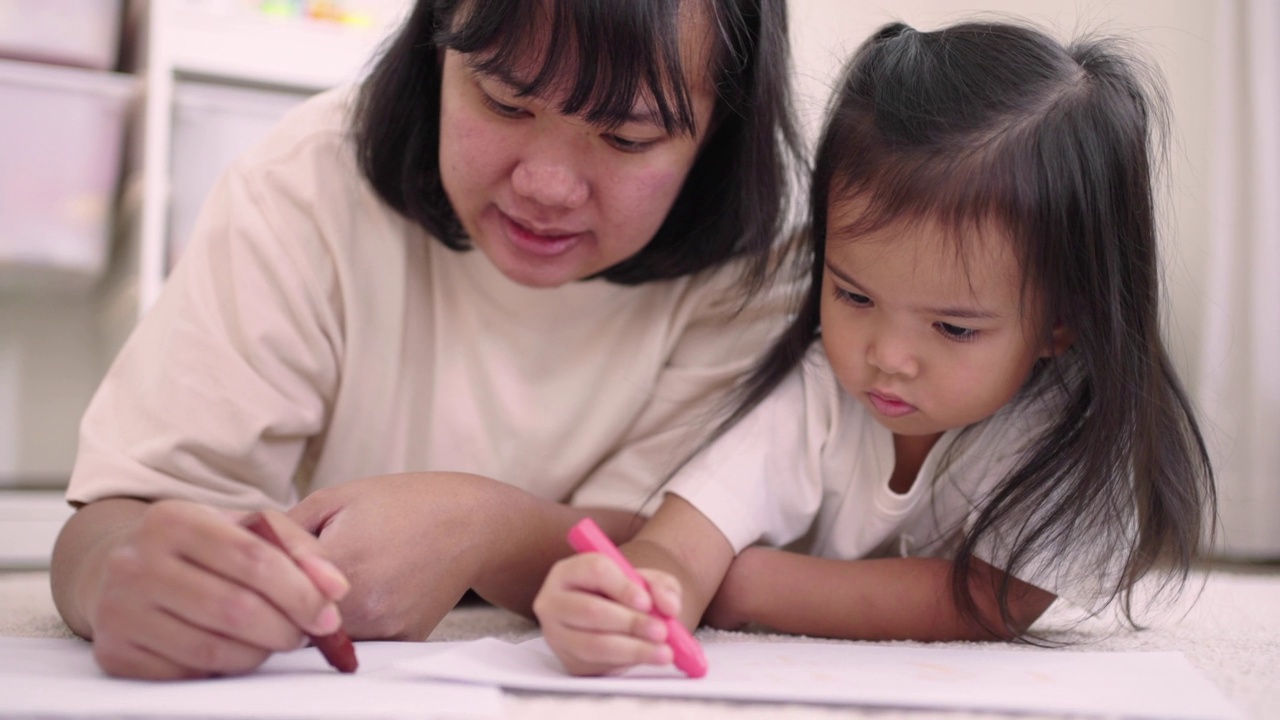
(597, 57)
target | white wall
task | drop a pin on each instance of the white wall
(1176, 34)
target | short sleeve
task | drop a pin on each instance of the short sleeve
(761, 481)
(222, 383)
(719, 340)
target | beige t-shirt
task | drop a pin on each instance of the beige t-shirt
(310, 335)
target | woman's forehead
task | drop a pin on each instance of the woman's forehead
(602, 69)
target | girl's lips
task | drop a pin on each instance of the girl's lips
(890, 406)
(535, 243)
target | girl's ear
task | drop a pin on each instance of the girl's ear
(1060, 340)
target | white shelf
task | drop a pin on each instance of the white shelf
(200, 39)
(29, 525)
(257, 49)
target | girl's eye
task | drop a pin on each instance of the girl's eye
(502, 109)
(955, 332)
(852, 298)
(628, 145)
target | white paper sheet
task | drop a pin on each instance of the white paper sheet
(58, 678)
(1128, 684)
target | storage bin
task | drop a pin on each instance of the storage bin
(62, 132)
(69, 32)
(212, 126)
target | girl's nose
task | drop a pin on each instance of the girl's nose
(892, 355)
(550, 183)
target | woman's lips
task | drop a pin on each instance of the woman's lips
(545, 244)
(890, 406)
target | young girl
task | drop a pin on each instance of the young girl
(973, 412)
(502, 274)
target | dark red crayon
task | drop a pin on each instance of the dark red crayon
(336, 647)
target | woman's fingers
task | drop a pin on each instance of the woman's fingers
(189, 593)
(169, 648)
(247, 561)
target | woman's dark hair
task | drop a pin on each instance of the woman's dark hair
(995, 123)
(734, 200)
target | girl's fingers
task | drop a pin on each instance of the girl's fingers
(587, 653)
(664, 590)
(583, 612)
(595, 573)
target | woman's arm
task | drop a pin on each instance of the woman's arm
(413, 543)
(883, 599)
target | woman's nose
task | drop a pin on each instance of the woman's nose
(552, 183)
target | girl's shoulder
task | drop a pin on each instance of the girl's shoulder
(995, 445)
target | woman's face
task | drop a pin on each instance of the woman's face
(551, 198)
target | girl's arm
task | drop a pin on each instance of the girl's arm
(597, 621)
(883, 599)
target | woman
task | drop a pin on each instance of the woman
(505, 273)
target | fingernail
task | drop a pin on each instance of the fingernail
(662, 655)
(328, 621)
(640, 600)
(655, 630)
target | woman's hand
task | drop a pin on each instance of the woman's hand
(411, 545)
(597, 620)
(173, 589)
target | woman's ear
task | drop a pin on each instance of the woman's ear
(1060, 339)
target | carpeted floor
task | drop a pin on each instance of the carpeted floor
(1228, 626)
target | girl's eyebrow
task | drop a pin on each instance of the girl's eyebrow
(963, 313)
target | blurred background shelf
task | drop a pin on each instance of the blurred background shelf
(115, 120)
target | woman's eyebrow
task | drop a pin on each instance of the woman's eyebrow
(504, 76)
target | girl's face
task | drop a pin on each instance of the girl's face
(551, 198)
(926, 340)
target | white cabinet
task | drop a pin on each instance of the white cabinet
(207, 78)
(227, 58)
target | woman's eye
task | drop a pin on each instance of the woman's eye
(955, 332)
(852, 298)
(502, 109)
(627, 144)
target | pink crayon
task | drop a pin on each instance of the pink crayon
(586, 536)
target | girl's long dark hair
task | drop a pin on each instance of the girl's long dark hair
(996, 121)
(735, 199)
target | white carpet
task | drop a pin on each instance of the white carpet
(1231, 632)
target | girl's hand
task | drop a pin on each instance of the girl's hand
(597, 621)
(186, 592)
